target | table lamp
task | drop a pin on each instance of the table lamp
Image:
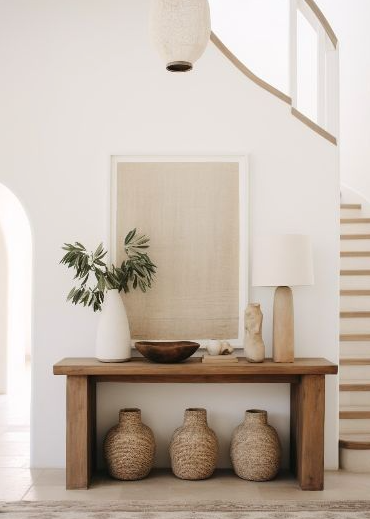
(283, 261)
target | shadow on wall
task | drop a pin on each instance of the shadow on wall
(15, 294)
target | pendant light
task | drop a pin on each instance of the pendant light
(180, 31)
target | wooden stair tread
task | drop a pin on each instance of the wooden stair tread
(354, 337)
(355, 220)
(354, 361)
(355, 272)
(354, 315)
(355, 292)
(355, 441)
(350, 206)
(354, 412)
(354, 385)
(355, 254)
(355, 236)
(364, 408)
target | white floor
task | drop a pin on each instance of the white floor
(19, 482)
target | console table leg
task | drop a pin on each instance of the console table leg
(307, 416)
(80, 431)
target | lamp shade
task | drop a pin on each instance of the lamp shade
(282, 260)
(180, 31)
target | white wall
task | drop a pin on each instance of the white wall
(351, 21)
(80, 81)
(257, 32)
(253, 28)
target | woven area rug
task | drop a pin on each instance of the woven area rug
(167, 510)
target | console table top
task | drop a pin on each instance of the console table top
(193, 368)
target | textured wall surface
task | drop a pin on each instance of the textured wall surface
(191, 213)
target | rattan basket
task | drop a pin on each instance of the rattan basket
(255, 448)
(194, 447)
(129, 447)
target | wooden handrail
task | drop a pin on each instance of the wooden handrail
(323, 21)
(247, 72)
(276, 92)
(315, 127)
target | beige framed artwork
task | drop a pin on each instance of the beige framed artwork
(195, 211)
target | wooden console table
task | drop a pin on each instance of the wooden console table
(305, 376)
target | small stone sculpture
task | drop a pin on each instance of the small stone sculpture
(254, 346)
(226, 348)
(216, 347)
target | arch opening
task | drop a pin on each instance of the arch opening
(15, 295)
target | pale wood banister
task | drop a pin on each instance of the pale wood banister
(315, 127)
(247, 72)
(327, 98)
(323, 21)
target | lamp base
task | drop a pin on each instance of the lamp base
(283, 326)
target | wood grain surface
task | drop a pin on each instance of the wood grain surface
(193, 367)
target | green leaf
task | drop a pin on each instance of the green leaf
(85, 298)
(129, 236)
(104, 253)
(98, 250)
(101, 283)
(143, 239)
(71, 293)
(136, 270)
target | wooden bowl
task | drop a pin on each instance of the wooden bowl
(167, 352)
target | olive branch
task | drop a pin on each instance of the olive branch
(136, 270)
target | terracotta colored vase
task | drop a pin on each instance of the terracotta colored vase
(255, 448)
(194, 447)
(129, 447)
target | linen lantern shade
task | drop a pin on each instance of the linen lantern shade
(180, 31)
(283, 261)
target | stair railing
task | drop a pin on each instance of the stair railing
(327, 63)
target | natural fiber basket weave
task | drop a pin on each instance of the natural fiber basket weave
(194, 447)
(129, 447)
(255, 448)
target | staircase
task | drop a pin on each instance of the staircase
(354, 397)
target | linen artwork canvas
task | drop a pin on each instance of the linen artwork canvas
(190, 211)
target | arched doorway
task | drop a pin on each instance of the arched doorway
(15, 292)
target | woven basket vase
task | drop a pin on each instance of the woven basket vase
(129, 447)
(194, 447)
(255, 448)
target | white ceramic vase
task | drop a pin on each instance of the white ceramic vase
(113, 341)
